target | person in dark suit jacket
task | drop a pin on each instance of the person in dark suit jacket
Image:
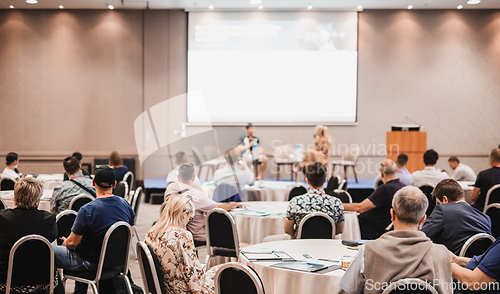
(453, 220)
(25, 220)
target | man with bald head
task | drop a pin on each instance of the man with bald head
(374, 211)
(486, 179)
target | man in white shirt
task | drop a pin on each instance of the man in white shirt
(11, 160)
(235, 173)
(180, 158)
(429, 175)
(461, 172)
(403, 174)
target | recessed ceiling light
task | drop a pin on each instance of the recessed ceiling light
(460, 7)
(360, 7)
(61, 7)
(410, 6)
(111, 6)
(309, 6)
(211, 7)
(473, 1)
(32, 1)
(255, 1)
(11, 6)
(261, 7)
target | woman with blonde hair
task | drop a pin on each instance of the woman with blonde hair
(174, 246)
(116, 163)
(320, 151)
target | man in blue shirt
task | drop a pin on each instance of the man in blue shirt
(81, 250)
(453, 220)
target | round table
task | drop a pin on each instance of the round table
(8, 197)
(283, 281)
(50, 180)
(253, 229)
(260, 191)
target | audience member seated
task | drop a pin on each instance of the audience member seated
(480, 272)
(320, 151)
(374, 211)
(65, 191)
(116, 163)
(453, 220)
(180, 158)
(235, 173)
(10, 171)
(486, 179)
(403, 174)
(461, 172)
(316, 200)
(78, 156)
(247, 142)
(81, 250)
(403, 253)
(174, 247)
(25, 220)
(202, 204)
(429, 175)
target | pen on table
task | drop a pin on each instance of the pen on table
(316, 264)
(330, 260)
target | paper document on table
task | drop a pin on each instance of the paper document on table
(301, 266)
(274, 256)
(256, 250)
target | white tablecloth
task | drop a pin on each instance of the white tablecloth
(282, 281)
(468, 188)
(253, 229)
(8, 197)
(260, 191)
(50, 180)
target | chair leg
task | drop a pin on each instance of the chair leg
(345, 172)
(129, 286)
(278, 173)
(355, 175)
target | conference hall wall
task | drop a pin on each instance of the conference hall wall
(77, 79)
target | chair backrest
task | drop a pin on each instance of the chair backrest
(493, 211)
(343, 185)
(316, 225)
(79, 201)
(7, 184)
(344, 196)
(115, 248)
(31, 262)
(235, 277)
(282, 153)
(121, 189)
(210, 152)
(380, 183)
(136, 200)
(427, 190)
(3, 205)
(296, 191)
(351, 154)
(226, 193)
(150, 266)
(476, 245)
(332, 184)
(198, 157)
(414, 286)
(129, 179)
(64, 220)
(493, 196)
(222, 236)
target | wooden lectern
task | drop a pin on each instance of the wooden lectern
(413, 144)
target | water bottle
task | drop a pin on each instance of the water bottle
(299, 152)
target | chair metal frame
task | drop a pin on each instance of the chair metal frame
(233, 225)
(7, 179)
(252, 274)
(394, 285)
(3, 203)
(487, 199)
(72, 202)
(131, 175)
(492, 205)
(339, 191)
(142, 246)
(95, 282)
(342, 185)
(134, 202)
(473, 239)
(64, 213)
(314, 214)
(11, 260)
(125, 196)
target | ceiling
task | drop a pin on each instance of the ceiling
(224, 5)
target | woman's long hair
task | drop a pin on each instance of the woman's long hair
(172, 214)
(115, 159)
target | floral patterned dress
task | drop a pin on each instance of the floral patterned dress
(182, 271)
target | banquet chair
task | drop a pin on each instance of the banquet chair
(493, 211)
(113, 261)
(129, 179)
(379, 183)
(235, 277)
(64, 221)
(121, 189)
(344, 196)
(281, 155)
(135, 203)
(31, 262)
(343, 185)
(297, 191)
(221, 234)
(411, 285)
(226, 193)
(348, 159)
(493, 196)
(151, 270)
(3, 205)
(79, 201)
(316, 225)
(427, 190)
(213, 156)
(7, 184)
(476, 245)
(333, 184)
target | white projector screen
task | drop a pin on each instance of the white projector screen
(273, 67)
